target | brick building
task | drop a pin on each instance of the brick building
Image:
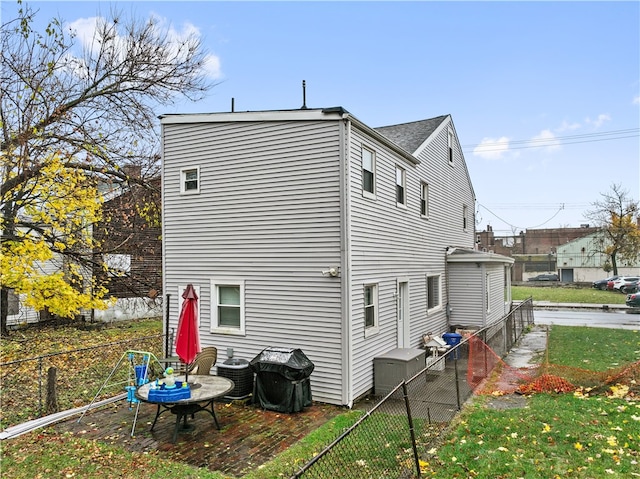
(533, 249)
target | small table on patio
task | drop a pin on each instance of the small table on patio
(204, 390)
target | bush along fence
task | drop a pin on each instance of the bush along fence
(35, 387)
(394, 437)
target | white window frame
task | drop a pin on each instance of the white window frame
(450, 146)
(424, 199)
(183, 181)
(401, 182)
(375, 328)
(215, 326)
(366, 193)
(465, 217)
(438, 278)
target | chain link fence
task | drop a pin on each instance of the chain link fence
(391, 438)
(34, 387)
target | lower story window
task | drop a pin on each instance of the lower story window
(370, 308)
(433, 292)
(227, 306)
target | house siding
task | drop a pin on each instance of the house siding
(467, 295)
(281, 201)
(268, 212)
(391, 243)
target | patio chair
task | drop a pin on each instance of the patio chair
(203, 362)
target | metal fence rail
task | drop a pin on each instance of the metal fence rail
(392, 437)
(79, 375)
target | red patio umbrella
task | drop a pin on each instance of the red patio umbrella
(188, 338)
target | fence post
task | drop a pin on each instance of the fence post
(52, 391)
(40, 406)
(411, 429)
(455, 369)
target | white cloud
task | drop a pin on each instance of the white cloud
(492, 149)
(636, 100)
(85, 28)
(599, 121)
(545, 139)
(566, 126)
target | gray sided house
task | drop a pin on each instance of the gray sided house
(309, 229)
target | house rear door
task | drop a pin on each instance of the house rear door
(403, 313)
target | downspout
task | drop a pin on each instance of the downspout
(345, 276)
(447, 309)
(167, 297)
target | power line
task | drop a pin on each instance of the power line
(565, 140)
(523, 227)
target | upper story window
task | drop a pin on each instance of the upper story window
(227, 309)
(450, 145)
(368, 172)
(465, 219)
(190, 180)
(401, 196)
(370, 309)
(424, 199)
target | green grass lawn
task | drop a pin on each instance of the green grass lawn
(566, 294)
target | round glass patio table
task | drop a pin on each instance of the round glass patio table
(204, 391)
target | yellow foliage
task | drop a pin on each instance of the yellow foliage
(60, 204)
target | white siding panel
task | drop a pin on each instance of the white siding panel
(391, 242)
(268, 212)
(467, 295)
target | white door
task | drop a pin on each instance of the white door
(402, 298)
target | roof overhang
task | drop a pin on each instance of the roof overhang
(303, 114)
(464, 255)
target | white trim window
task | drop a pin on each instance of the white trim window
(465, 217)
(433, 292)
(368, 173)
(401, 195)
(190, 180)
(370, 309)
(450, 146)
(227, 306)
(424, 199)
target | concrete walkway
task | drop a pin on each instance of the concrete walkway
(529, 350)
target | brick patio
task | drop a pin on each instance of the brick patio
(249, 435)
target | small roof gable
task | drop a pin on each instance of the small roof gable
(411, 135)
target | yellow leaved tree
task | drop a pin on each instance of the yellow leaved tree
(75, 112)
(57, 210)
(616, 214)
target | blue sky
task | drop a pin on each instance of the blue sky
(545, 96)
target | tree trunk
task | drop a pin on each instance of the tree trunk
(52, 390)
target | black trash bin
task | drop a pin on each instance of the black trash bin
(282, 379)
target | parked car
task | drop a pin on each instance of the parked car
(545, 277)
(602, 283)
(633, 300)
(630, 287)
(625, 282)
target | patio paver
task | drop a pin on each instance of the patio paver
(249, 435)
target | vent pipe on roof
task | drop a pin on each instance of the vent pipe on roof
(233, 104)
(304, 95)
